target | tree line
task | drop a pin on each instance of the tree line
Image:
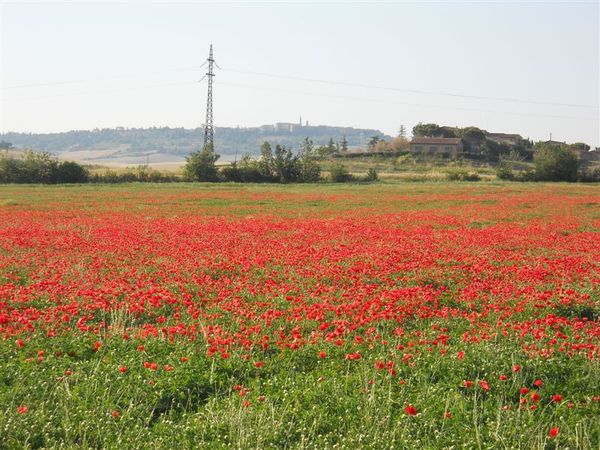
(275, 165)
(552, 162)
(278, 164)
(36, 167)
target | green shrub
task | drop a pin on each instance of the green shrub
(462, 175)
(505, 172)
(200, 166)
(589, 176)
(371, 175)
(339, 174)
(555, 163)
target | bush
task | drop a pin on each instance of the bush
(71, 172)
(339, 174)
(462, 175)
(555, 163)
(372, 175)
(589, 176)
(526, 175)
(200, 166)
(505, 172)
(140, 175)
(37, 167)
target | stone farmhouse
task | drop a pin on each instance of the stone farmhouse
(436, 146)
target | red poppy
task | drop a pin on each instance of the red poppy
(410, 410)
(484, 385)
(22, 409)
(557, 398)
(553, 432)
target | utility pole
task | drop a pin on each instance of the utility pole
(208, 127)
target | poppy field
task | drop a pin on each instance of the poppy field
(425, 315)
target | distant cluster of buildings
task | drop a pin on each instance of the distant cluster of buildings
(287, 127)
(453, 146)
(445, 146)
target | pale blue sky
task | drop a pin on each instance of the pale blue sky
(133, 64)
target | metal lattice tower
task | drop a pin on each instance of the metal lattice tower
(208, 127)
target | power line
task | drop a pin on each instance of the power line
(294, 92)
(313, 80)
(362, 99)
(405, 103)
(104, 91)
(412, 91)
(106, 77)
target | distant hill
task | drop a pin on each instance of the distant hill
(132, 146)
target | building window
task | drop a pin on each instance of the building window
(433, 148)
(447, 148)
(418, 148)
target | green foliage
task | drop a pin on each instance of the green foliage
(555, 163)
(71, 172)
(339, 174)
(180, 142)
(526, 175)
(281, 166)
(493, 150)
(505, 172)
(426, 129)
(141, 174)
(462, 175)
(265, 164)
(372, 175)
(471, 133)
(373, 142)
(589, 176)
(433, 130)
(344, 145)
(37, 167)
(310, 171)
(285, 168)
(580, 146)
(200, 166)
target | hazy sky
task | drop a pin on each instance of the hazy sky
(79, 65)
